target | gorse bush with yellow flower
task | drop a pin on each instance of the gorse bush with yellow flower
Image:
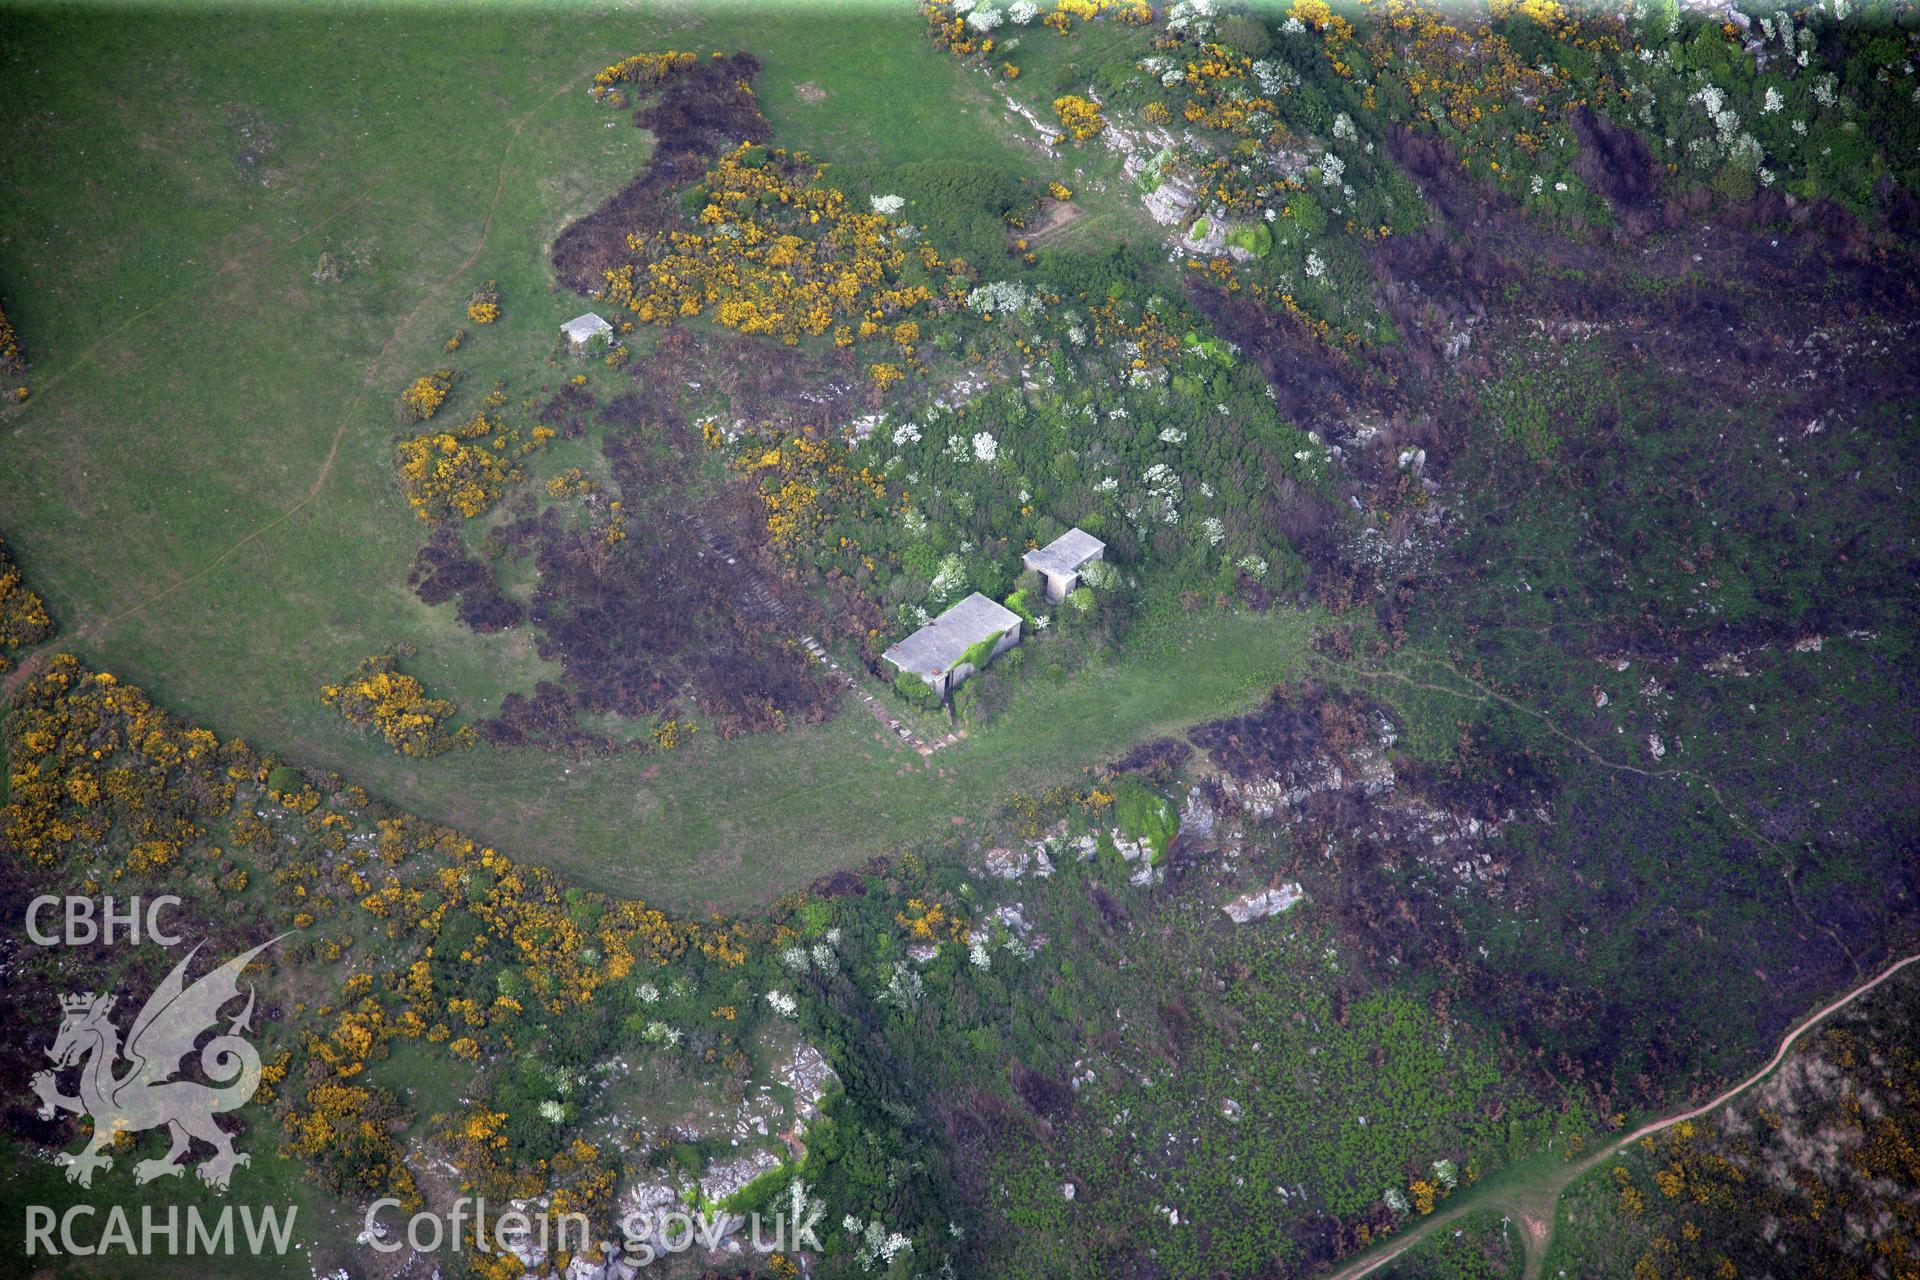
(24, 620)
(484, 306)
(90, 756)
(406, 931)
(462, 471)
(648, 70)
(425, 394)
(1080, 116)
(802, 482)
(13, 361)
(379, 695)
(779, 254)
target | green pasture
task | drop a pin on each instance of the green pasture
(201, 484)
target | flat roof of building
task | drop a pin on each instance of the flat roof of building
(582, 327)
(938, 646)
(1065, 553)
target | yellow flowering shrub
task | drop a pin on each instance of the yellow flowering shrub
(1424, 1194)
(1080, 116)
(931, 922)
(669, 734)
(11, 360)
(804, 479)
(464, 470)
(88, 755)
(1470, 79)
(644, 69)
(344, 1131)
(776, 253)
(380, 696)
(484, 306)
(24, 619)
(424, 396)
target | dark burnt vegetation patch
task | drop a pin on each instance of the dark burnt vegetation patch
(548, 719)
(1521, 346)
(662, 622)
(699, 113)
(740, 379)
(655, 593)
(444, 569)
(569, 410)
(1557, 900)
(1676, 553)
(638, 627)
(1394, 841)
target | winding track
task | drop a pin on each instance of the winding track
(370, 377)
(374, 371)
(1525, 1202)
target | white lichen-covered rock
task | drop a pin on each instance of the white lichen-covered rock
(1206, 237)
(1197, 817)
(1008, 864)
(1263, 903)
(612, 1266)
(1368, 770)
(523, 1244)
(642, 1210)
(1168, 203)
(1011, 917)
(808, 1073)
(726, 1177)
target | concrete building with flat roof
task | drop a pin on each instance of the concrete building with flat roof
(583, 329)
(1061, 560)
(937, 652)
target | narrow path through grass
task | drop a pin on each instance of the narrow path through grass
(376, 368)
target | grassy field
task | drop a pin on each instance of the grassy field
(201, 483)
(736, 822)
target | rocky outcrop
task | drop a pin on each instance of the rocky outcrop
(1263, 903)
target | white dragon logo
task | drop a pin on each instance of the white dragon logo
(147, 1095)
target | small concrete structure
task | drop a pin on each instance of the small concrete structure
(935, 651)
(585, 328)
(1061, 560)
